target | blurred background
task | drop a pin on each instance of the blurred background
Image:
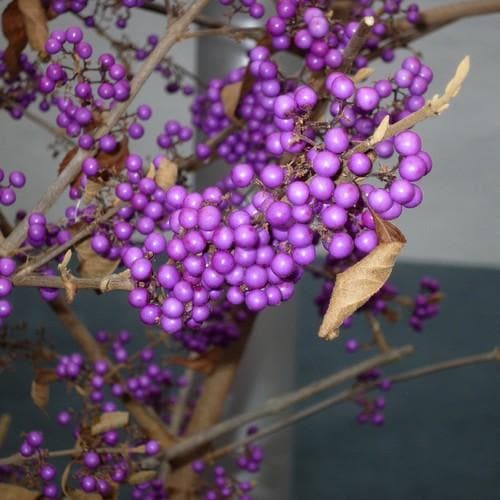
(442, 433)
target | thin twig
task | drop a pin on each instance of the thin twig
(378, 334)
(345, 395)
(236, 32)
(16, 458)
(104, 284)
(356, 43)
(348, 394)
(278, 404)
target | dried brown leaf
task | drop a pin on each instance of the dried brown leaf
(14, 492)
(363, 74)
(230, 96)
(15, 33)
(35, 22)
(40, 394)
(111, 420)
(166, 174)
(40, 387)
(203, 364)
(111, 164)
(380, 131)
(357, 284)
(141, 476)
(91, 190)
(67, 158)
(5, 420)
(93, 265)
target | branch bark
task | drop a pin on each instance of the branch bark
(278, 404)
(208, 410)
(348, 394)
(105, 284)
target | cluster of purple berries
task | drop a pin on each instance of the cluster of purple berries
(119, 11)
(426, 304)
(7, 268)
(225, 485)
(16, 180)
(315, 31)
(173, 134)
(18, 90)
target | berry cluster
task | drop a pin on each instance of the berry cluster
(225, 485)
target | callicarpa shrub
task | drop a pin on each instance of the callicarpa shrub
(322, 160)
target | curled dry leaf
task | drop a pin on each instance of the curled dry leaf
(40, 387)
(91, 190)
(35, 22)
(111, 164)
(93, 265)
(380, 131)
(14, 492)
(203, 364)
(141, 476)
(111, 420)
(15, 33)
(230, 96)
(354, 287)
(362, 74)
(166, 174)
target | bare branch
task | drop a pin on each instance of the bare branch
(348, 394)
(277, 405)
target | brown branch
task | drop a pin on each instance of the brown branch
(278, 404)
(208, 410)
(17, 459)
(104, 284)
(378, 334)
(356, 43)
(236, 32)
(169, 39)
(348, 394)
(81, 335)
(345, 395)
